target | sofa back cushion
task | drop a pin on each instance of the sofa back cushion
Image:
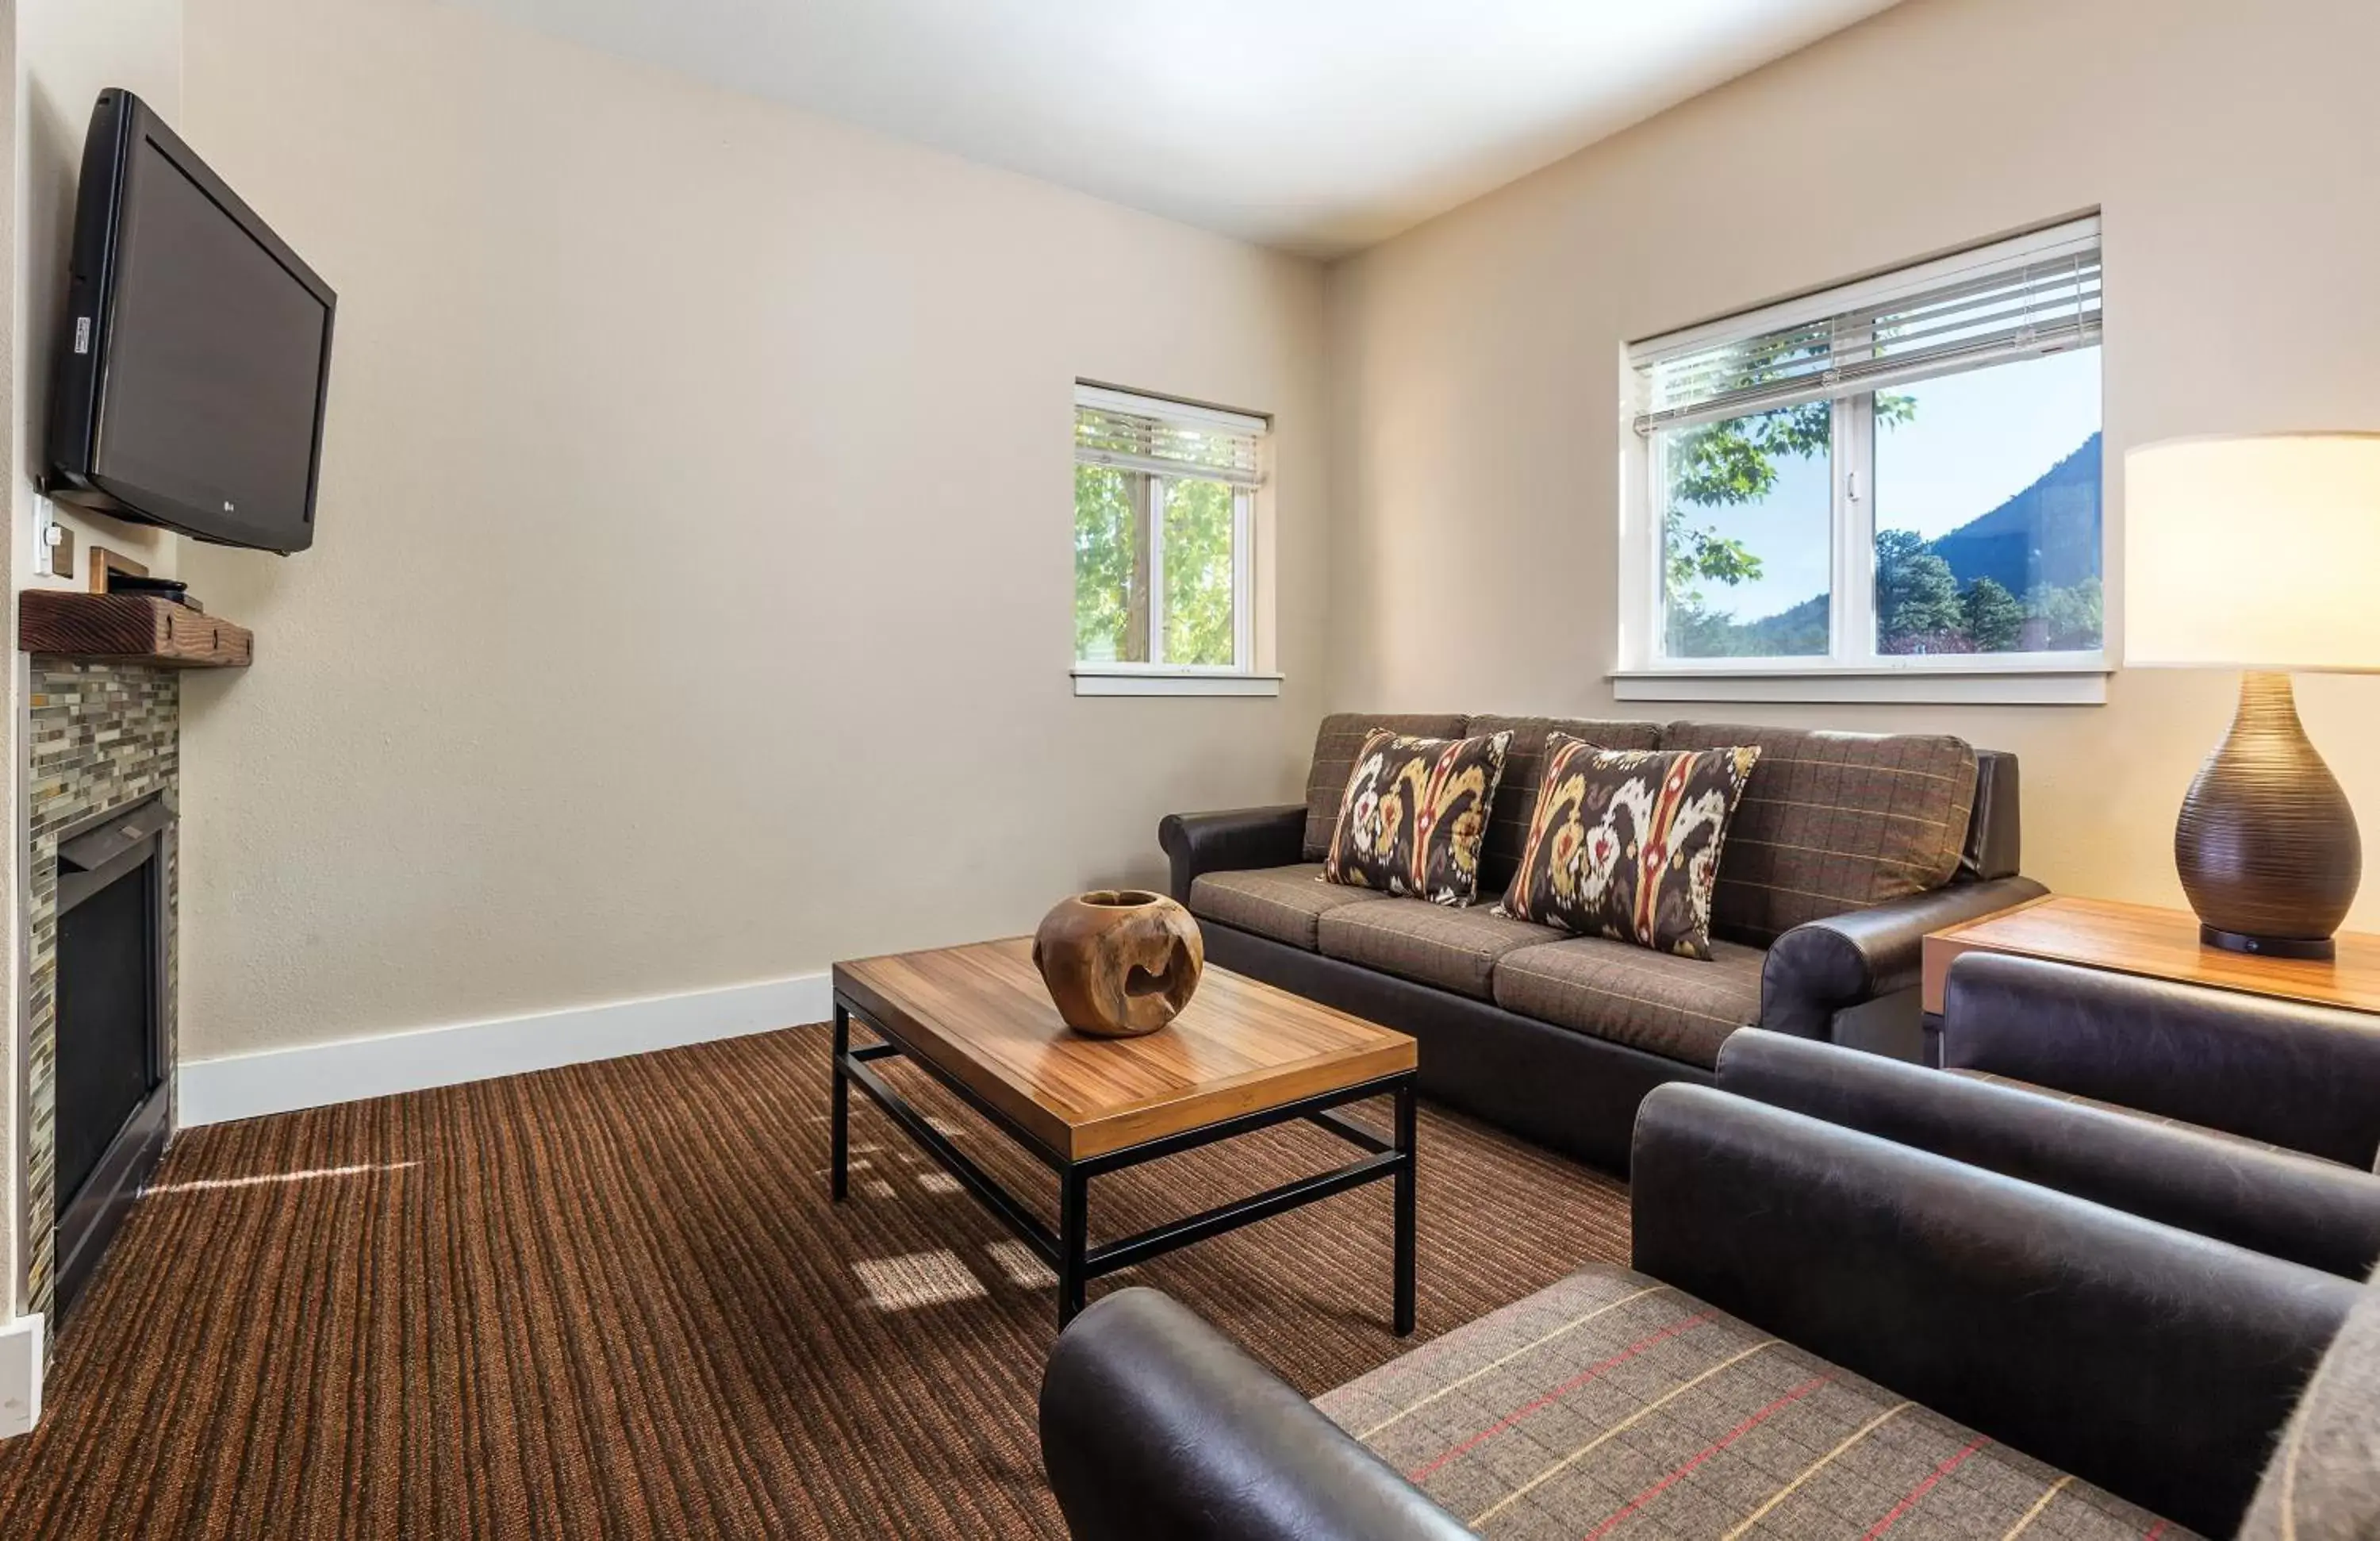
(1525, 764)
(1832, 823)
(1335, 748)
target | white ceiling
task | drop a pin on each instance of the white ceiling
(1322, 126)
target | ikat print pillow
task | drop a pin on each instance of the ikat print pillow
(1625, 842)
(1415, 816)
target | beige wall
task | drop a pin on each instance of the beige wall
(1475, 361)
(692, 597)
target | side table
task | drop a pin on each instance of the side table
(2148, 941)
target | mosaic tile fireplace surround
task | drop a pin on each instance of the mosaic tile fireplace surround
(104, 737)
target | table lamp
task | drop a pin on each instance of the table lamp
(2261, 553)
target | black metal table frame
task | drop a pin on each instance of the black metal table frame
(1067, 1250)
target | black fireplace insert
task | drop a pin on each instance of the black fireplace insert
(111, 1093)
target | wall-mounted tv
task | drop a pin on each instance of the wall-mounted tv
(196, 353)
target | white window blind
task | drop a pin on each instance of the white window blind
(1167, 438)
(2035, 295)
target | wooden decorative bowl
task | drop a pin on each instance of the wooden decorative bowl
(1119, 961)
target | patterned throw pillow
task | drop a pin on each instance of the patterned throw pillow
(1415, 814)
(1625, 842)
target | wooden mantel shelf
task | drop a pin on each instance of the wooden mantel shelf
(128, 628)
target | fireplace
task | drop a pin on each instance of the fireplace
(113, 1109)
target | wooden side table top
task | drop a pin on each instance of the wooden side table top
(981, 1015)
(2158, 943)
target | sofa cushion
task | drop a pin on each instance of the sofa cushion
(1452, 948)
(1678, 1008)
(1833, 822)
(1626, 842)
(1516, 800)
(1415, 814)
(1335, 746)
(1611, 1398)
(1283, 903)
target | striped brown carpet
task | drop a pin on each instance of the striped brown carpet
(614, 1300)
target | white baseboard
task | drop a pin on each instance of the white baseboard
(314, 1075)
(20, 1376)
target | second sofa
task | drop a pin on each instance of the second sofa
(1845, 851)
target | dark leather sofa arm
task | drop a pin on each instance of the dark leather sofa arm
(1820, 968)
(1154, 1428)
(2154, 1363)
(2299, 1075)
(2310, 1212)
(1231, 841)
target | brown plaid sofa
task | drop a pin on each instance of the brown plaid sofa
(1845, 851)
(1823, 1334)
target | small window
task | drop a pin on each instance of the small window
(1900, 474)
(1165, 498)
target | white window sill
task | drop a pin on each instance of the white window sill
(2081, 684)
(1099, 679)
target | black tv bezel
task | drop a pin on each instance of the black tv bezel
(119, 122)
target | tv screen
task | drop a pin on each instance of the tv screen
(197, 347)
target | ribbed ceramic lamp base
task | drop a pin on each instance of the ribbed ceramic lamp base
(2266, 845)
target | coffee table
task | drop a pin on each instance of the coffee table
(1242, 1057)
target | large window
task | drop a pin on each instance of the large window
(1164, 513)
(1899, 475)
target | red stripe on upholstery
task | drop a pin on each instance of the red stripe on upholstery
(1566, 1388)
(1906, 1504)
(1679, 1474)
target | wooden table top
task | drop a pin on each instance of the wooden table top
(2158, 944)
(982, 1015)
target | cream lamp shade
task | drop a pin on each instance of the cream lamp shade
(2261, 553)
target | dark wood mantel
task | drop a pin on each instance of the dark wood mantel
(128, 628)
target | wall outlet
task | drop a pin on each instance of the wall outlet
(53, 543)
(20, 1376)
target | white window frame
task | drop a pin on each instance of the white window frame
(1853, 669)
(1243, 675)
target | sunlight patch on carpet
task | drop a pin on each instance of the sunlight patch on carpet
(916, 1280)
(1023, 1267)
(204, 1185)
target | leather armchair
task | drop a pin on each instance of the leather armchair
(2311, 1212)
(2302, 1076)
(2154, 1363)
(1154, 1428)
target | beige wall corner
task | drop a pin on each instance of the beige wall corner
(1475, 359)
(692, 602)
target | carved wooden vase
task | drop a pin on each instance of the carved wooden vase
(2267, 843)
(1119, 961)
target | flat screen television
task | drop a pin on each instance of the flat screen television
(196, 353)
